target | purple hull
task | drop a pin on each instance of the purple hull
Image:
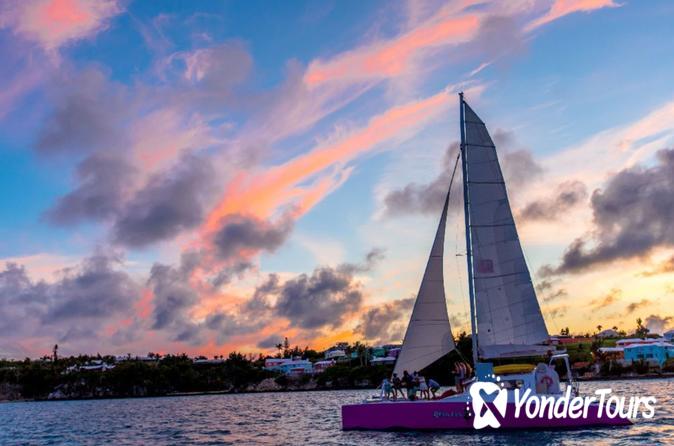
(452, 415)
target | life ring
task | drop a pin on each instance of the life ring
(546, 380)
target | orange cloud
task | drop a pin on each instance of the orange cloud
(560, 8)
(262, 194)
(53, 23)
(393, 57)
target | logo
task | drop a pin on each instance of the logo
(488, 397)
(489, 403)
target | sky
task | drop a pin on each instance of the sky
(205, 177)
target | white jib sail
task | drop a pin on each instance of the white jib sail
(428, 336)
(508, 314)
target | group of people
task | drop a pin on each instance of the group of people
(416, 386)
(462, 373)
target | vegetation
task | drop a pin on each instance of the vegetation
(170, 374)
(73, 377)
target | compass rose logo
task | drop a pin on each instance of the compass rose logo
(488, 397)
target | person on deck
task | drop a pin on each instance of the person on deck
(397, 387)
(461, 371)
(415, 385)
(423, 388)
(408, 383)
(386, 389)
(433, 386)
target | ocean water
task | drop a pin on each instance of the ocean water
(300, 418)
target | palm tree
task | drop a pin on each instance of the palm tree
(360, 349)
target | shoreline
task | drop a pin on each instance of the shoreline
(323, 389)
(181, 394)
(627, 378)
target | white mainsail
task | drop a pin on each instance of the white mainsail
(428, 336)
(509, 319)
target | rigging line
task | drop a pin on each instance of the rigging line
(462, 292)
(463, 358)
(451, 180)
(457, 254)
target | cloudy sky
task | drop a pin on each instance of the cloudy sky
(210, 176)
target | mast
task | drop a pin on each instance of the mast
(469, 254)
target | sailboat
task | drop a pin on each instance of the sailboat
(506, 319)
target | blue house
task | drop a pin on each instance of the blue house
(652, 353)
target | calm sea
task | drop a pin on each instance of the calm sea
(300, 418)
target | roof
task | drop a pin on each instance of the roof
(611, 349)
(651, 344)
(640, 341)
(385, 359)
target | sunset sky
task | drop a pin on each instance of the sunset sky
(208, 176)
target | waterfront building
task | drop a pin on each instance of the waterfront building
(321, 366)
(378, 352)
(634, 341)
(613, 353)
(567, 339)
(608, 333)
(122, 358)
(669, 335)
(653, 353)
(393, 352)
(93, 365)
(289, 366)
(334, 354)
(202, 361)
(383, 361)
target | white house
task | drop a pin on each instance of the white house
(334, 354)
(634, 341)
(669, 335)
(608, 333)
(383, 361)
(93, 365)
(321, 366)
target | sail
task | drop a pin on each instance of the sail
(508, 315)
(428, 336)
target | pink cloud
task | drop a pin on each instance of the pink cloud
(451, 25)
(54, 23)
(261, 194)
(394, 57)
(160, 137)
(561, 8)
(16, 88)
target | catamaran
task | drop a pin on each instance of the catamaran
(506, 319)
